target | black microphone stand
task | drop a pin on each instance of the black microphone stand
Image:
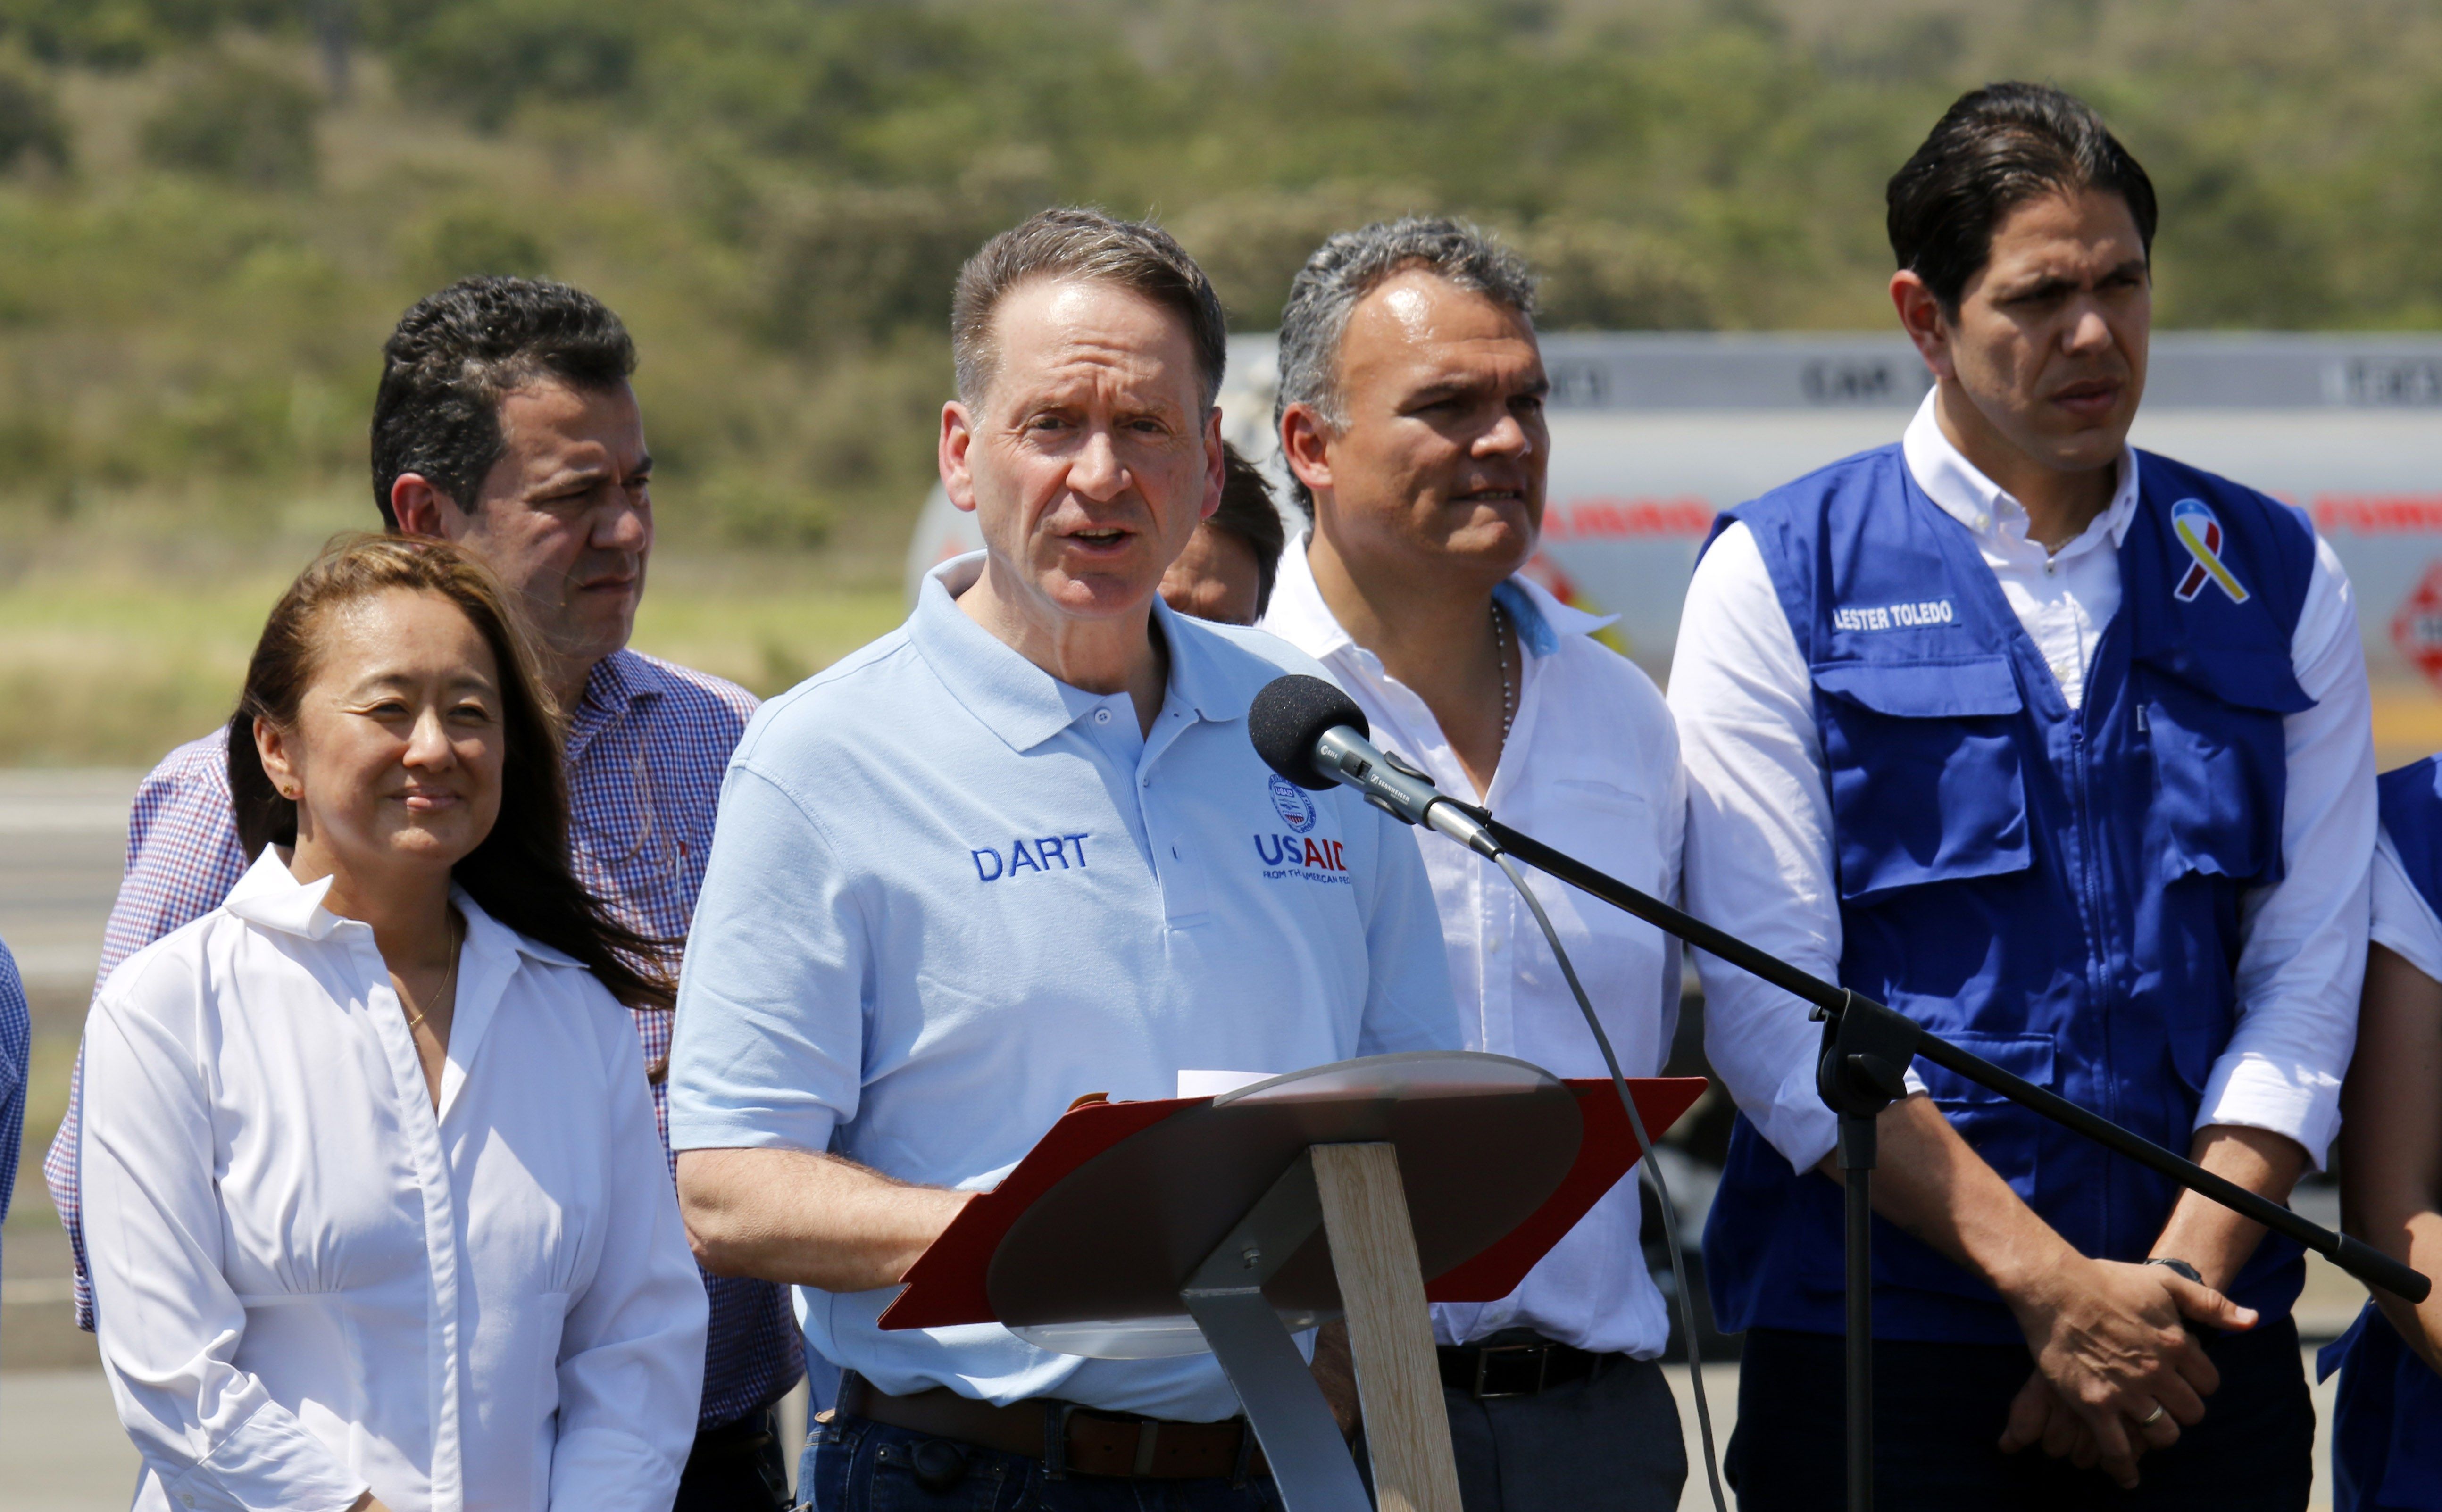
(1866, 1049)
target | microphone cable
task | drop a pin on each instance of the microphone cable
(1652, 1170)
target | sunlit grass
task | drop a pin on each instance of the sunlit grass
(100, 668)
(766, 638)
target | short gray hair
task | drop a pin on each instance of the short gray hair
(1086, 244)
(1351, 265)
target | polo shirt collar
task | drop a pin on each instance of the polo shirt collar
(1203, 675)
(1299, 614)
(1026, 705)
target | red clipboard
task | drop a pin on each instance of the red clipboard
(947, 1285)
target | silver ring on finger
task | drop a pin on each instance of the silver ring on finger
(2151, 1418)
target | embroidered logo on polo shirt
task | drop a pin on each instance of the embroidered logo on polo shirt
(1294, 804)
(1300, 855)
(1037, 856)
(1918, 616)
(2200, 532)
(1313, 858)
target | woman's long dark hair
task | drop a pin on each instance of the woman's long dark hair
(520, 872)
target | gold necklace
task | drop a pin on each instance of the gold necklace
(447, 981)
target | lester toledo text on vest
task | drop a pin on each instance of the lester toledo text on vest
(1894, 616)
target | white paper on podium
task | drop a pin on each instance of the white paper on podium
(1212, 1083)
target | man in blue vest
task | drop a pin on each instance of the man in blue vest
(2063, 750)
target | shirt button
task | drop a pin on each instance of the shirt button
(1101, 715)
(1492, 942)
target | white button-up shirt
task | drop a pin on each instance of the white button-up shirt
(1592, 766)
(2403, 921)
(312, 1282)
(1760, 822)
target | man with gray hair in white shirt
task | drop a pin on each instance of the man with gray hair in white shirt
(1410, 412)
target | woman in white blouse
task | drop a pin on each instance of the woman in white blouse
(378, 1214)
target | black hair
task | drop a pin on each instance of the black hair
(456, 353)
(1248, 513)
(1994, 149)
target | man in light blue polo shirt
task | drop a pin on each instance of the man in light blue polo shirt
(1018, 852)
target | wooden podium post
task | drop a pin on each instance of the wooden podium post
(1389, 1328)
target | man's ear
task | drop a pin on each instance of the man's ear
(957, 434)
(1925, 320)
(421, 509)
(1306, 444)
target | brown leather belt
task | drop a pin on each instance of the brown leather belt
(1086, 1443)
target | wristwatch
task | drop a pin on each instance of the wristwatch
(2177, 1267)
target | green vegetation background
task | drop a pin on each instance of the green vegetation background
(211, 210)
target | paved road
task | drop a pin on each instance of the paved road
(63, 842)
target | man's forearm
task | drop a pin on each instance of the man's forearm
(807, 1219)
(2208, 1235)
(1929, 1182)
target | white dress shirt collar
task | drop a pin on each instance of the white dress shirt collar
(270, 897)
(1963, 492)
(1299, 616)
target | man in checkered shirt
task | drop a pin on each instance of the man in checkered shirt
(514, 393)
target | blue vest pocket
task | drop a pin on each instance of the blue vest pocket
(2028, 1057)
(2220, 762)
(1924, 772)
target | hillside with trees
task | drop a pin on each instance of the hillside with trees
(211, 209)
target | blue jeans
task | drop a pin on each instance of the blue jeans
(855, 1465)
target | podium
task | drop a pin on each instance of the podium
(1364, 1189)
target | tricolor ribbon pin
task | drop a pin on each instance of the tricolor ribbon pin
(2200, 532)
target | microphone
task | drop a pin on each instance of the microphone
(1315, 736)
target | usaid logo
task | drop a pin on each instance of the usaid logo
(1294, 804)
(1300, 852)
